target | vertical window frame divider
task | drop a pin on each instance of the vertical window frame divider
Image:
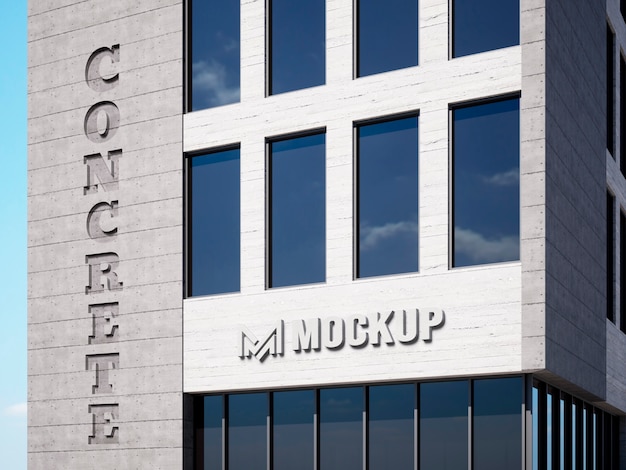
(542, 432)
(356, 32)
(270, 430)
(187, 221)
(187, 75)
(450, 29)
(470, 424)
(356, 200)
(316, 430)
(366, 427)
(556, 428)
(268, 48)
(225, 437)
(416, 426)
(268, 212)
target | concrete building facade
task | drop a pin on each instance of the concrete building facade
(126, 359)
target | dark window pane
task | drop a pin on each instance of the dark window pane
(214, 223)
(211, 452)
(498, 423)
(391, 429)
(247, 431)
(298, 44)
(214, 53)
(483, 25)
(486, 143)
(298, 211)
(443, 425)
(622, 268)
(622, 114)
(387, 35)
(610, 257)
(387, 198)
(294, 415)
(341, 429)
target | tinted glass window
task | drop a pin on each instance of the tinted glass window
(497, 423)
(298, 211)
(486, 143)
(214, 51)
(214, 223)
(443, 425)
(387, 35)
(483, 25)
(341, 429)
(293, 421)
(387, 198)
(391, 433)
(208, 440)
(298, 44)
(247, 431)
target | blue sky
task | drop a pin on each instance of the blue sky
(13, 237)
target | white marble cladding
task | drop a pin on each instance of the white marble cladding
(483, 329)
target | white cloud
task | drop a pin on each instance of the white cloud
(210, 77)
(480, 249)
(15, 410)
(371, 236)
(507, 178)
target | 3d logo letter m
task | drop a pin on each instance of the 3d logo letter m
(273, 343)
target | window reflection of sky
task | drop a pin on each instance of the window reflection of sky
(484, 25)
(387, 35)
(215, 50)
(247, 431)
(298, 211)
(387, 197)
(486, 183)
(341, 429)
(298, 44)
(214, 232)
(293, 427)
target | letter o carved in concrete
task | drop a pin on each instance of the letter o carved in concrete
(98, 130)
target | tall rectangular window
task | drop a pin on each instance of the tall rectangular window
(610, 90)
(247, 431)
(497, 424)
(484, 25)
(297, 44)
(341, 428)
(444, 434)
(485, 183)
(387, 197)
(213, 259)
(297, 211)
(390, 438)
(209, 430)
(293, 430)
(214, 53)
(387, 35)
(610, 256)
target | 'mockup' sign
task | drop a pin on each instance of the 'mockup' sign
(356, 331)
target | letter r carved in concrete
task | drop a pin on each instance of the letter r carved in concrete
(102, 275)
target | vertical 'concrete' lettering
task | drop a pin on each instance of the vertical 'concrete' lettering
(98, 169)
(333, 332)
(409, 331)
(380, 330)
(105, 323)
(430, 319)
(100, 129)
(102, 364)
(306, 335)
(104, 430)
(102, 273)
(94, 226)
(93, 74)
(357, 337)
